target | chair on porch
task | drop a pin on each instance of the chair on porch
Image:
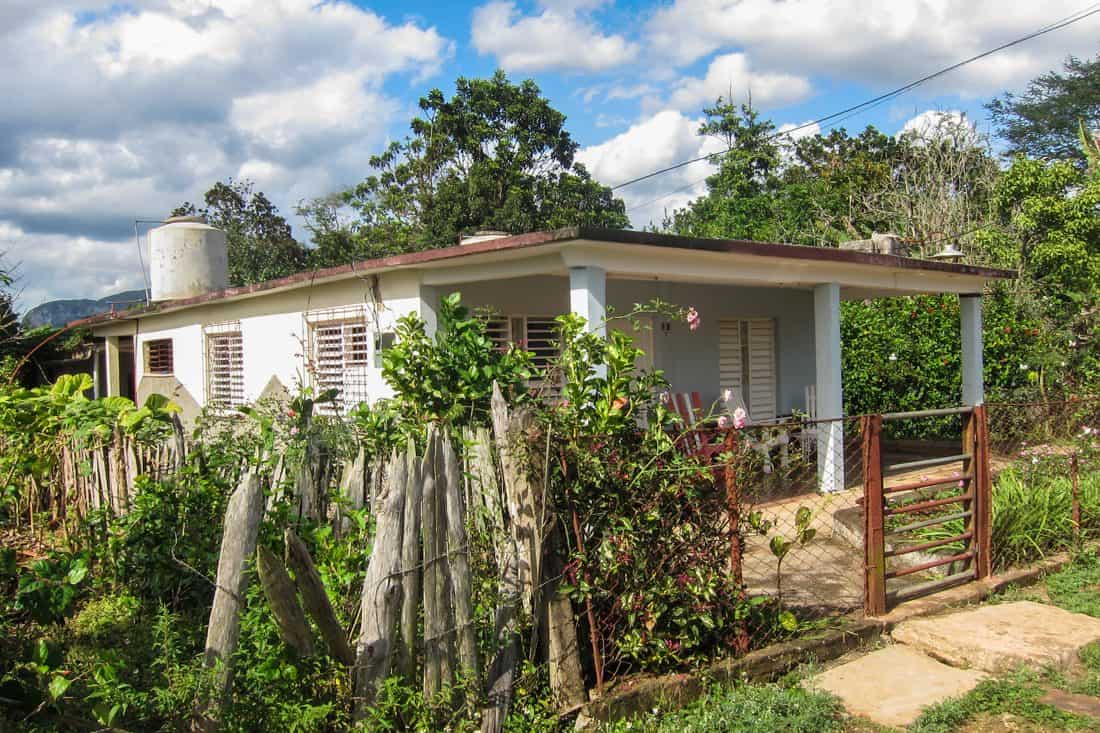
(808, 434)
(697, 439)
(767, 439)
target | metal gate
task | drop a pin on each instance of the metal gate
(944, 519)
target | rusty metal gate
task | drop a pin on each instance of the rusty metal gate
(943, 520)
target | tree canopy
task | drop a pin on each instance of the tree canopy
(261, 246)
(495, 155)
(1044, 121)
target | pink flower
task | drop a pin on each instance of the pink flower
(723, 423)
(693, 319)
(740, 418)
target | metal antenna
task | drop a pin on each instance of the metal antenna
(141, 262)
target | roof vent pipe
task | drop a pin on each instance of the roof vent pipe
(482, 235)
(187, 257)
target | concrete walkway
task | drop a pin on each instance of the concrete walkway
(939, 657)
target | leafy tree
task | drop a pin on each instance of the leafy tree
(1043, 121)
(741, 198)
(259, 239)
(496, 155)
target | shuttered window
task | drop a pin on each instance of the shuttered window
(224, 365)
(746, 363)
(537, 334)
(339, 357)
(158, 356)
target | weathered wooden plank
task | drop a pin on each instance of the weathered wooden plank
(410, 564)
(242, 524)
(279, 590)
(509, 430)
(315, 599)
(459, 564)
(431, 571)
(874, 541)
(381, 588)
(567, 688)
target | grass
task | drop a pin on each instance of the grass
(1017, 694)
(745, 708)
(1077, 587)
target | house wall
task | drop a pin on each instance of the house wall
(688, 358)
(273, 333)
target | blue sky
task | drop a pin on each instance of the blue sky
(115, 111)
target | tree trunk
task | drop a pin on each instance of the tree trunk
(279, 590)
(315, 599)
(381, 588)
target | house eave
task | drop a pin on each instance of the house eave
(772, 263)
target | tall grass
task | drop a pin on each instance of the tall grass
(1032, 515)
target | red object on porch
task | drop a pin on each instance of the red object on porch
(697, 439)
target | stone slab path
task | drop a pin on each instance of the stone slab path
(945, 656)
(1003, 637)
(892, 685)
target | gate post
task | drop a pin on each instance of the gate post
(874, 538)
(983, 493)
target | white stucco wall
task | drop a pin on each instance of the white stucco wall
(186, 355)
(688, 358)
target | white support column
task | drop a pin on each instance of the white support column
(830, 396)
(970, 315)
(96, 373)
(429, 308)
(111, 360)
(588, 296)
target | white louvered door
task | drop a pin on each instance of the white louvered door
(761, 393)
(746, 363)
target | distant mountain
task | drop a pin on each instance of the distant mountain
(59, 312)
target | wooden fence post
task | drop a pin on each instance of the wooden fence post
(874, 538)
(315, 599)
(459, 563)
(410, 564)
(242, 525)
(279, 590)
(983, 494)
(381, 588)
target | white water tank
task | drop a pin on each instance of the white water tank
(187, 257)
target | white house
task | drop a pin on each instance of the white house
(770, 314)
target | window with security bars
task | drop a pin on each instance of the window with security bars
(536, 334)
(158, 356)
(224, 366)
(339, 358)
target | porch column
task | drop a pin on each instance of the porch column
(830, 402)
(429, 308)
(97, 373)
(588, 296)
(111, 360)
(970, 315)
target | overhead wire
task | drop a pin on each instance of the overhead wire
(848, 112)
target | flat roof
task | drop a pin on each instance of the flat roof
(534, 240)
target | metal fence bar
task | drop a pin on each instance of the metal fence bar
(927, 483)
(982, 488)
(929, 523)
(902, 572)
(926, 463)
(931, 504)
(931, 586)
(926, 413)
(929, 545)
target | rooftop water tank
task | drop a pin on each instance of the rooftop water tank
(187, 257)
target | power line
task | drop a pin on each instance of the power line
(874, 101)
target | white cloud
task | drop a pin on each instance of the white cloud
(730, 76)
(663, 139)
(560, 37)
(877, 43)
(114, 112)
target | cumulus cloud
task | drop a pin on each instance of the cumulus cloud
(114, 112)
(873, 42)
(660, 140)
(729, 76)
(562, 36)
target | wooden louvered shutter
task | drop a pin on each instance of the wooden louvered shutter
(729, 355)
(761, 393)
